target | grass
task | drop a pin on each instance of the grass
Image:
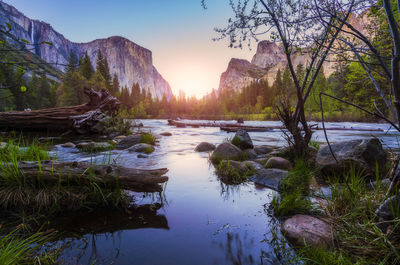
(148, 138)
(294, 191)
(232, 175)
(18, 249)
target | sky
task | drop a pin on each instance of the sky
(178, 32)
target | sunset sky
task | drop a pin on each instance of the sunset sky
(178, 32)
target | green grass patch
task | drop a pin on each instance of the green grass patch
(294, 191)
(148, 138)
(233, 174)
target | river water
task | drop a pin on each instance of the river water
(199, 219)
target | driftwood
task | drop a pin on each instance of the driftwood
(234, 127)
(78, 173)
(76, 118)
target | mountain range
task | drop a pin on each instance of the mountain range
(131, 62)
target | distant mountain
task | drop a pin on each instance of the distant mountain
(131, 62)
(269, 58)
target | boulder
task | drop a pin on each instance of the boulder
(238, 166)
(278, 162)
(69, 145)
(270, 178)
(303, 230)
(128, 141)
(232, 172)
(363, 154)
(263, 149)
(120, 137)
(242, 140)
(252, 165)
(142, 148)
(226, 151)
(204, 147)
(166, 134)
(387, 211)
(249, 154)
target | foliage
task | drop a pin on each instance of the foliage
(148, 138)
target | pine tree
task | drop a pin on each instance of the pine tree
(72, 63)
(115, 85)
(86, 68)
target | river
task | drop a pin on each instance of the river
(201, 220)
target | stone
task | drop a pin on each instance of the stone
(385, 184)
(142, 156)
(240, 120)
(239, 166)
(3, 145)
(128, 141)
(226, 151)
(252, 165)
(307, 230)
(120, 137)
(270, 178)
(204, 147)
(249, 154)
(166, 134)
(142, 148)
(69, 145)
(242, 140)
(363, 154)
(263, 149)
(94, 147)
(387, 212)
(278, 162)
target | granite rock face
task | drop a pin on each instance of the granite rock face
(131, 62)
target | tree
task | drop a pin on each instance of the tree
(115, 85)
(86, 68)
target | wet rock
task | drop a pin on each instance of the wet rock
(49, 139)
(270, 178)
(204, 147)
(384, 184)
(303, 230)
(142, 156)
(363, 154)
(249, 154)
(128, 141)
(387, 211)
(278, 162)
(253, 165)
(68, 145)
(120, 137)
(94, 147)
(263, 150)
(166, 134)
(226, 151)
(142, 148)
(238, 166)
(242, 140)
(261, 161)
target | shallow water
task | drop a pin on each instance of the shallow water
(201, 221)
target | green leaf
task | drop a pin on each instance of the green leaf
(8, 25)
(23, 89)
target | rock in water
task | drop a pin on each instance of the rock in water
(270, 178)
(129, 141)
(204, 147)
(226, 151)
(249, 154)
(305, 229)
(166, 134)
(242, 140)
(68, 145)
(263, 150)
(142, 148)
(278, 162)
(363, 154)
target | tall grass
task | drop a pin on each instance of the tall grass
(148, 138)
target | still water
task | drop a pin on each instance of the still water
(197, 219)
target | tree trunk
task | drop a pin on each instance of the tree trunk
(76, 118)
(84, 173)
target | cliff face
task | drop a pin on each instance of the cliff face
(131, 62)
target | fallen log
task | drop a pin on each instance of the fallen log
(78, 118)
(234, 127)
(84, 173)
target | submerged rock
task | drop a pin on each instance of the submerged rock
(307, 230)
(69, 145)
(128, 141)
(204, 147)
(242, 140)
(226, 151)
(142, 148)
(363, 154)
(278, 162)
(270, 178)
(166, 134)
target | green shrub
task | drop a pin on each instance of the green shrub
(148, 138)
